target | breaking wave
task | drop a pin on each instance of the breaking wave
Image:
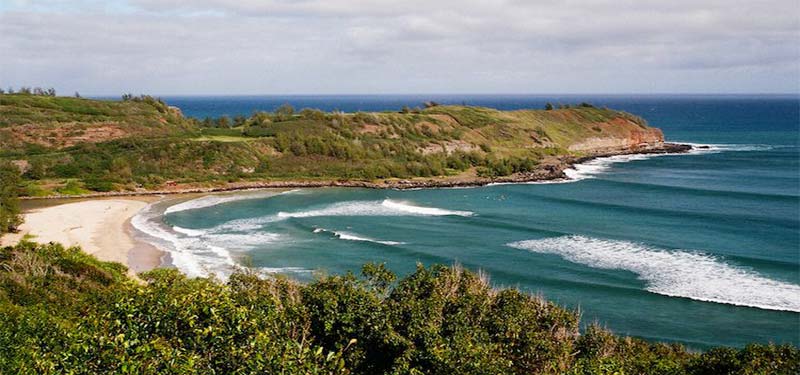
(214, 200)
(348, 236)
(386, 207)
(597, 166)
(675, 273)
(601, 165)
(195, 252)
(274, 270)
(699, 148)
(188, 232)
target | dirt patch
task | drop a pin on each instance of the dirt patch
(66, 135)
(369, 129)
(619, 133)
(448, 147)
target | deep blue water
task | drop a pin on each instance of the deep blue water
(702, 249)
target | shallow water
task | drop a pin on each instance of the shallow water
(702, 249)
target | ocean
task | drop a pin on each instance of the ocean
(701, 249)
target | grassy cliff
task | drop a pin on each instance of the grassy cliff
(62, 311)
(73, 145)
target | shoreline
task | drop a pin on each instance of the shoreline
(100, 223)
(548, 171)
(101, 227)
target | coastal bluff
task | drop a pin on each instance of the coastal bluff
(82, 147)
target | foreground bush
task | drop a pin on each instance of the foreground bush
(62, 311)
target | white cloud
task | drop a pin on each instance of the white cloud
(353, 46)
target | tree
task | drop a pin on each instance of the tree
(548, 106)
(10, 217)
(284, 112)
(239, 120)
(77, 94)
(224, 122)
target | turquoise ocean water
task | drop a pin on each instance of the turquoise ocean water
(702, 249)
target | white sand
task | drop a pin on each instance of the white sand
(99, 227)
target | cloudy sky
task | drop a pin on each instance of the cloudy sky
(410, 46)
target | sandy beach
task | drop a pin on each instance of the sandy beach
(100, 227)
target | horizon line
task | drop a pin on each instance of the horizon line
(454, 94)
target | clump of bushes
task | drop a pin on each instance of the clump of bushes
(62, 311)
(10, 216)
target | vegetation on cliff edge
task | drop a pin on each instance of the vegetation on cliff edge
(10, 215)
(62, 311)
(66, 145)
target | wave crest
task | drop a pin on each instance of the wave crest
(386, 207)
(348, 236)
(214, 200)
(198, 252)
(601, 165)
(674, 273)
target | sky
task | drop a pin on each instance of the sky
(250, 47)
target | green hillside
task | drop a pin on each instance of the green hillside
(73, 145)
(62, 311)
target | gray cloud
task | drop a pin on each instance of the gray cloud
(359, 46)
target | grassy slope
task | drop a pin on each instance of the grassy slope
(107, 145)
(62, 311)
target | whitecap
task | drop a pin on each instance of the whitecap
(699, 148)
(349, 236)
(386, 207)
(420, 210)
(217, 199)
(601, 165)
(188, 232)
(273, 270)
(594, 167)
(675, 273)
(198, 253)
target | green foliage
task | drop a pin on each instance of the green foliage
(10, 217)
(471, 117)
(75, 145)
(72, 187)
(62, 311)
(508, 166)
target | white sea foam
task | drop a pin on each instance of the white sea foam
(419, 210)
(245, 241)
(699, 148)
(675, 273)
(188, 232)
(348, 236)
(386, 207)
(217, 199)
(273, 270)
(198, 252)
(147, 221)
(597, 166)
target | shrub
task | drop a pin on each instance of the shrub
(10, 216)
(63, 311)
